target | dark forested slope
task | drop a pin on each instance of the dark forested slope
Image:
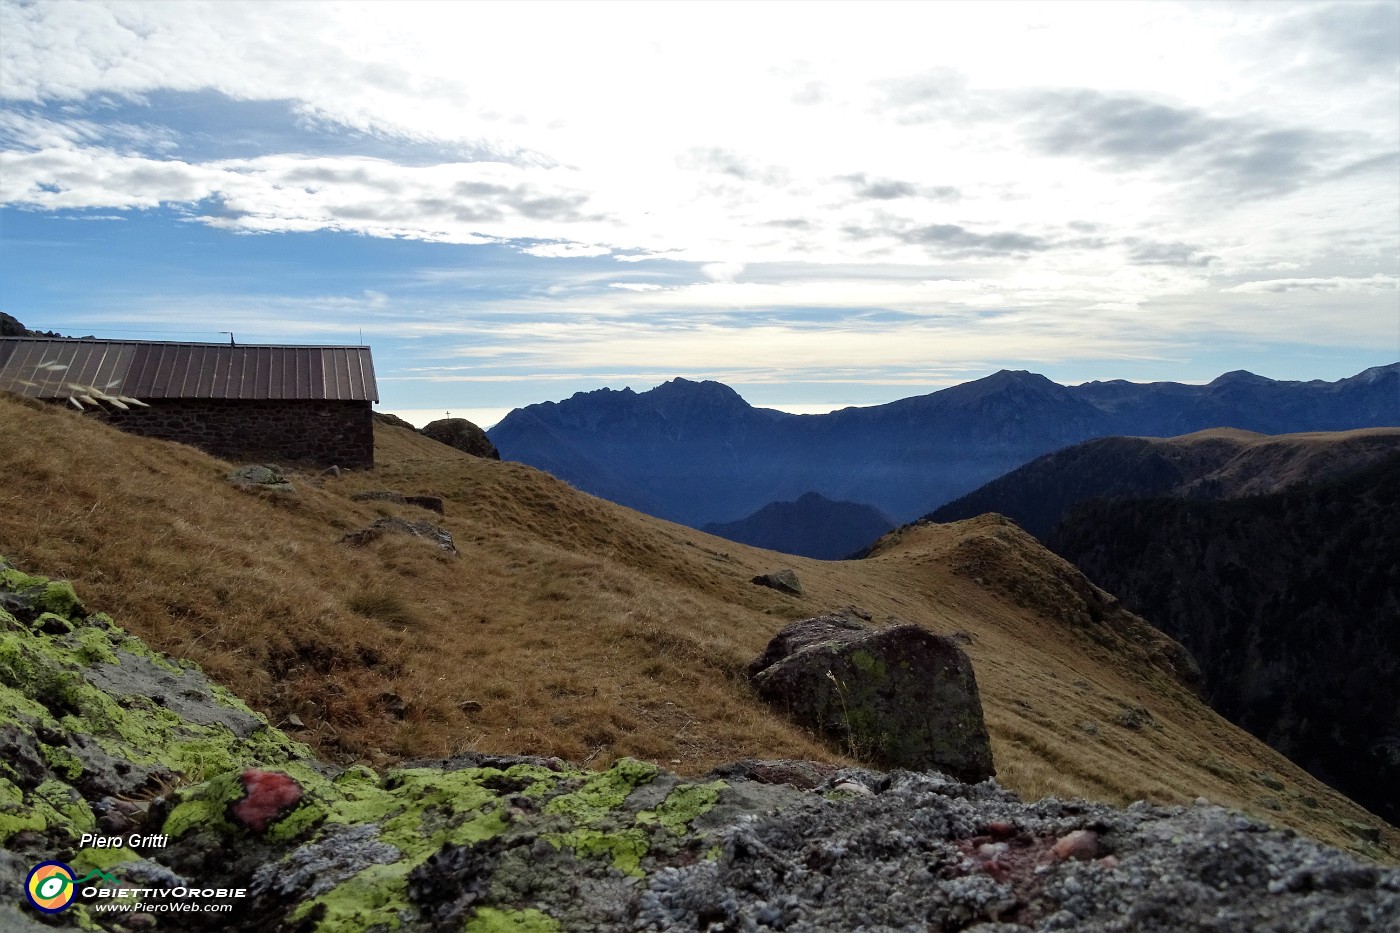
(1216, 464)
(1290, 602)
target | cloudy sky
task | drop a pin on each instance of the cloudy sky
(819, 204)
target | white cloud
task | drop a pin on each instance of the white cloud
(882, 169)
(724, 272)
(1372, 283)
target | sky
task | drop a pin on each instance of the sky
(819, 204)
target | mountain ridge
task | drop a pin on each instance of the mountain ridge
(697, 453)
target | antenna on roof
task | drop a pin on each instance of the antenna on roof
(230, 336)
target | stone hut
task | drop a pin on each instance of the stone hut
(282, 403)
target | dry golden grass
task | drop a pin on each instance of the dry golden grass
(570, 626)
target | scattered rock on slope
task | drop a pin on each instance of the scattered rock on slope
(426, 530)
(261, 477)
(463, 435)
(900, 697)
(482, 843)
(784, 581)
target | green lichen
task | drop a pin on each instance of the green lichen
(18, 706)
(868, 664)
(52, 807)
(49, 622)
(15, 815)
(95, 648)
(604, 791)
(61, 760)
(595, 802)
(205, 807)
(82, 916)
(418, 811)
(682, 805)
(495, 920)
(624, 849)
(54, 596)
(373, 898)
(101, 859)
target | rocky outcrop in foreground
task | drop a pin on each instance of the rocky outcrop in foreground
(209, 805)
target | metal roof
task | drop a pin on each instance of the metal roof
(147, 369)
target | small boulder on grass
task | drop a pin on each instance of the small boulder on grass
(784, 581)
(900, 697)
(261, 477)
(426, 530)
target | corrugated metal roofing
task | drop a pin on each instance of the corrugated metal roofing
(47, 368)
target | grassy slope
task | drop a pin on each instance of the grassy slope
(582, 629)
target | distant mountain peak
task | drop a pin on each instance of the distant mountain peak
(706, 394)
(702, 386)
(1375, 373)
(1240, 377)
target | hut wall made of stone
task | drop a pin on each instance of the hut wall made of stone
(339, 433)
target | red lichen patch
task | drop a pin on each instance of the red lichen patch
(267, 794)
(998, 829)
(1081, 844)
(1018, 859)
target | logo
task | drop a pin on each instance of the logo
(50, 886)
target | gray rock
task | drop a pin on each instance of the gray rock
(267, 477)
(427, 530)
(900, 697)
(186, 692)
(924, 853)
(784, 581)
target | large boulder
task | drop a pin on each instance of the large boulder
(463, 435)
(900, 697)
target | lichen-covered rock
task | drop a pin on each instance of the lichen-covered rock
(900, 697)
(485, 843)
(463, 435)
